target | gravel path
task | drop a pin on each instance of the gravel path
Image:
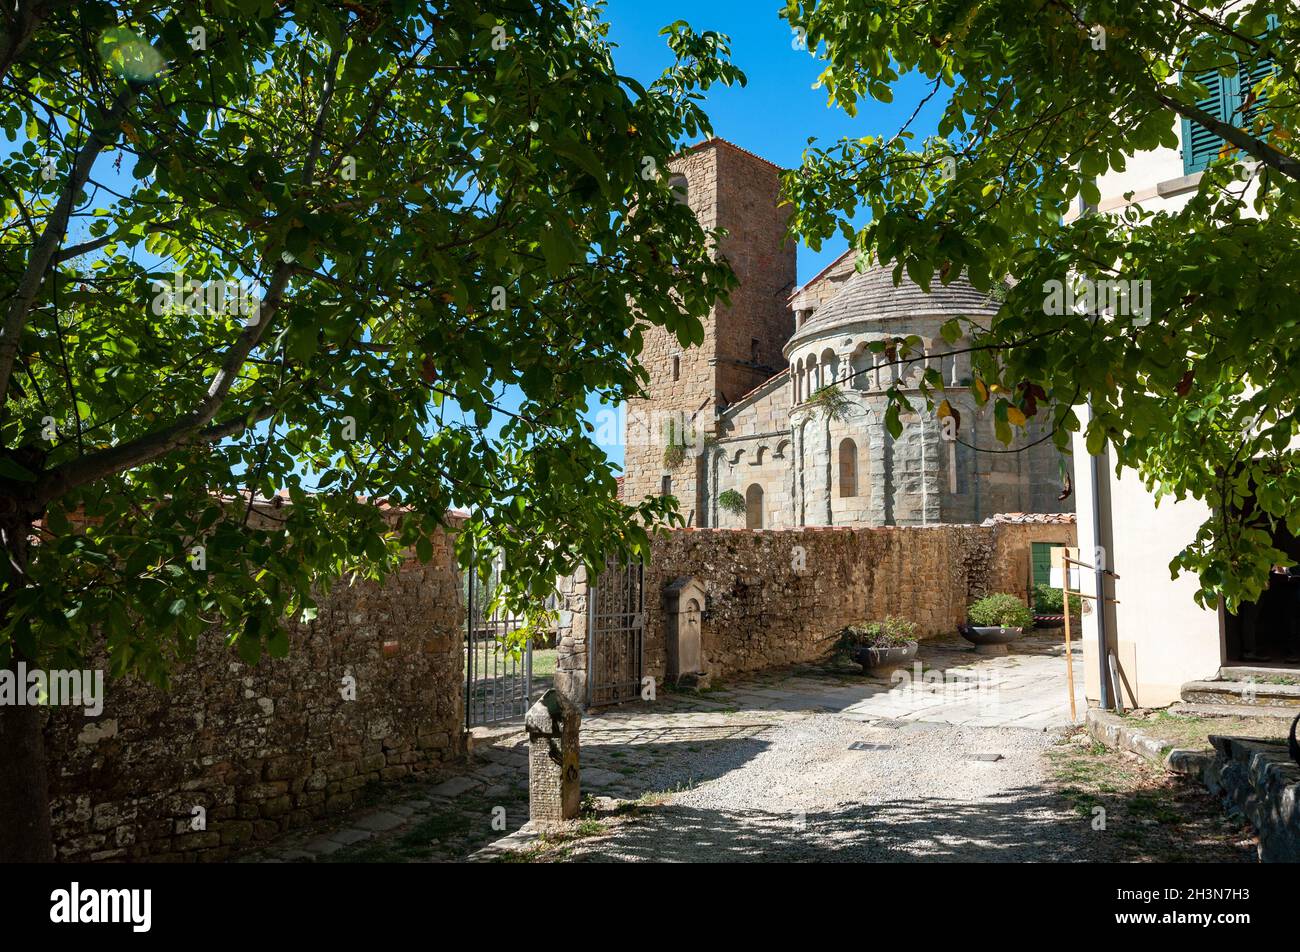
(921, 796)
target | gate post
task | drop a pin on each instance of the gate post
(571, 641)
(553, 771)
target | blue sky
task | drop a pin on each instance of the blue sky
(777, 112)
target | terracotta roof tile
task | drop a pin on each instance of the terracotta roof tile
(1031, 518)
(728, 142)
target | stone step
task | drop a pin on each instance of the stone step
(1240, 672)
(1283, 713)
(1254, 694)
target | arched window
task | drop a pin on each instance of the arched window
(754, 507)
(677, 367)
(681, 188)
(830, 362)
(848, 468)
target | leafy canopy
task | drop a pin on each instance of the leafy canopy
(451, 220)
(1040, 98)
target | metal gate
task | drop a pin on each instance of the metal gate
(615, 634)
(498, 672)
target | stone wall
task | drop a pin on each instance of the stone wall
(730, 189)
(777, 597)
(265, 748)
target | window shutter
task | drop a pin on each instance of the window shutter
(1200, 145)
(1226, 101)
(1249, 81)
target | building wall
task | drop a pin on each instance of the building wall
(825, 285)
(1160, 637)
(268, 747)
(726, 188)
(689, 395)
(918, 478)
(755, 448)
(753, 328)
(778, 597)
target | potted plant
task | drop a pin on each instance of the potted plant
(995, 621)
(879, 646)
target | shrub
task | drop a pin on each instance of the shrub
(892, 632)
(1000, 611)
(731, 501)
(831, 401)
(674, 455)
(1048, 601)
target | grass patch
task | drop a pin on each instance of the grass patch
(1193, 733)
(1151, 815)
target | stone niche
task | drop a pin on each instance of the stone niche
(683, 602)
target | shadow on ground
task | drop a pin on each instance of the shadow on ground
(1025, 825)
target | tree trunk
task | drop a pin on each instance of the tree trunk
(24, 787)
(25, 835)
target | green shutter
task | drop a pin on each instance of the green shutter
(1250, 79)
(1200, 145)
(1226, 101)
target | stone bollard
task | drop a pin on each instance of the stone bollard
(553, 772)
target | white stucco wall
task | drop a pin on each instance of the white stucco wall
(1162, 639)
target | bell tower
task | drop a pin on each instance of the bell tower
(729, 188)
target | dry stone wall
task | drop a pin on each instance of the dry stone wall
(777, 597)
(261, 749)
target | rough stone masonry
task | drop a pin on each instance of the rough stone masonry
(234, 755)
(778, 596)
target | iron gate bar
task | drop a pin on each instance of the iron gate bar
(616, 634)
(501, 690)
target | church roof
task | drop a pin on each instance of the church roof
(872, 295)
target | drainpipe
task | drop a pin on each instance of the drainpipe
(1099, 584)
(1098, 571)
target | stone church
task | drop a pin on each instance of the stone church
(743, 396)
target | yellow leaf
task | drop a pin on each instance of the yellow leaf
(945, 409)
(1015, 417)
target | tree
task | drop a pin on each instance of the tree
(374, 257)
(1198, 393)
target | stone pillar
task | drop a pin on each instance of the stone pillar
(571, 638)
(554, 794)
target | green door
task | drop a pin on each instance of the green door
(1041, 561)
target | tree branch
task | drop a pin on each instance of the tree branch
(186, 429)
(42, 256)
(1247, 143)
(20, 26)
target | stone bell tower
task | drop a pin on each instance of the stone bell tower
(726, 187)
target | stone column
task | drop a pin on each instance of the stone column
(571, 637)
(554, 793)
